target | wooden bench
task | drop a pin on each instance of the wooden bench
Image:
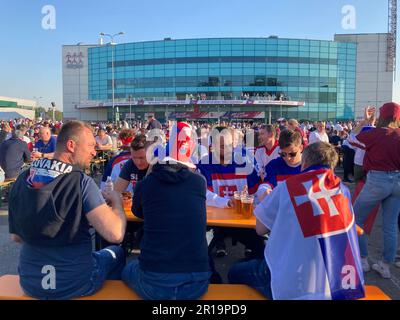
(117, 290)
(5, 185)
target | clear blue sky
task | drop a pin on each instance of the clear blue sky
(30, 57)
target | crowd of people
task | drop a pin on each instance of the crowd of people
(305, 216)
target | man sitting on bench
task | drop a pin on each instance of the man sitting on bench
(52, 207)
(312, 252)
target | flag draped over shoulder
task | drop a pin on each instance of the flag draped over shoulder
(313, 248)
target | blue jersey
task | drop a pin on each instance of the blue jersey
(278, 170)
(224, 180)
(48, 147)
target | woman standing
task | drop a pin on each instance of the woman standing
(382, 162)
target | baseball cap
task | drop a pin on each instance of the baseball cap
(390, 110)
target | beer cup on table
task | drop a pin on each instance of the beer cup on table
(247, 206)
(237, 202)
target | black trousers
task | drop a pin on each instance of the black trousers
(348, 161)
(248, 237)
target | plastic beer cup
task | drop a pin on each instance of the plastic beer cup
(237, 203)
(247, 206)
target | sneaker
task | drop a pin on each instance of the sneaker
(248, 253)
(382, 268)
(397, 264)
(365, 265)
(135, 251)
(221, 253)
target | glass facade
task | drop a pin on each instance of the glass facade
(321, 73)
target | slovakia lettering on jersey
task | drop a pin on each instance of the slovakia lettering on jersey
(43, 171)
(224, 180)
(311, 217)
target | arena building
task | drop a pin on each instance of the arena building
(232, 78)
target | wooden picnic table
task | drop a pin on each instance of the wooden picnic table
(216, 217)
(7, 182)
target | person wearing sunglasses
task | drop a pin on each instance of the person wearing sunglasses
(288, 163)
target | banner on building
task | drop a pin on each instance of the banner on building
(216, 115)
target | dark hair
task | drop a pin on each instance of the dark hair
(55, 131)
(220, 128)
(140, 142)
(22, 127)
(270, 129)
(288, 138)
(70, 131)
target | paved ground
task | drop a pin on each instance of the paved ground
(9, 257)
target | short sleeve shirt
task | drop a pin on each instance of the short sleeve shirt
(382, 147)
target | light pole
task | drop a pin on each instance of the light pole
(79, 78)
(130, 109)
(37, 103)
(54, 109)
(112, 43)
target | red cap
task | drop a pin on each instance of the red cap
(390, 110)
(127, 141)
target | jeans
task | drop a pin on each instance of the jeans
(165, 286)
(254, 273)
(381, 187)
(359, 173)
(109, 263)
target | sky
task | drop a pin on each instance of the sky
(30, 56)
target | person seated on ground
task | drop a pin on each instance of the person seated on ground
(173, 263)
(52, 208)
(286, 165)
(115, 165)
(227, 172)
(312, 252)
(103, 140)
(14, 153)
(46, 145)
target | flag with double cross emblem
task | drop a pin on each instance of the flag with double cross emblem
(313, 250)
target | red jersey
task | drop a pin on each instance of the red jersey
(382, 147)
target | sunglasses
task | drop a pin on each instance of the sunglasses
(290, 154)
